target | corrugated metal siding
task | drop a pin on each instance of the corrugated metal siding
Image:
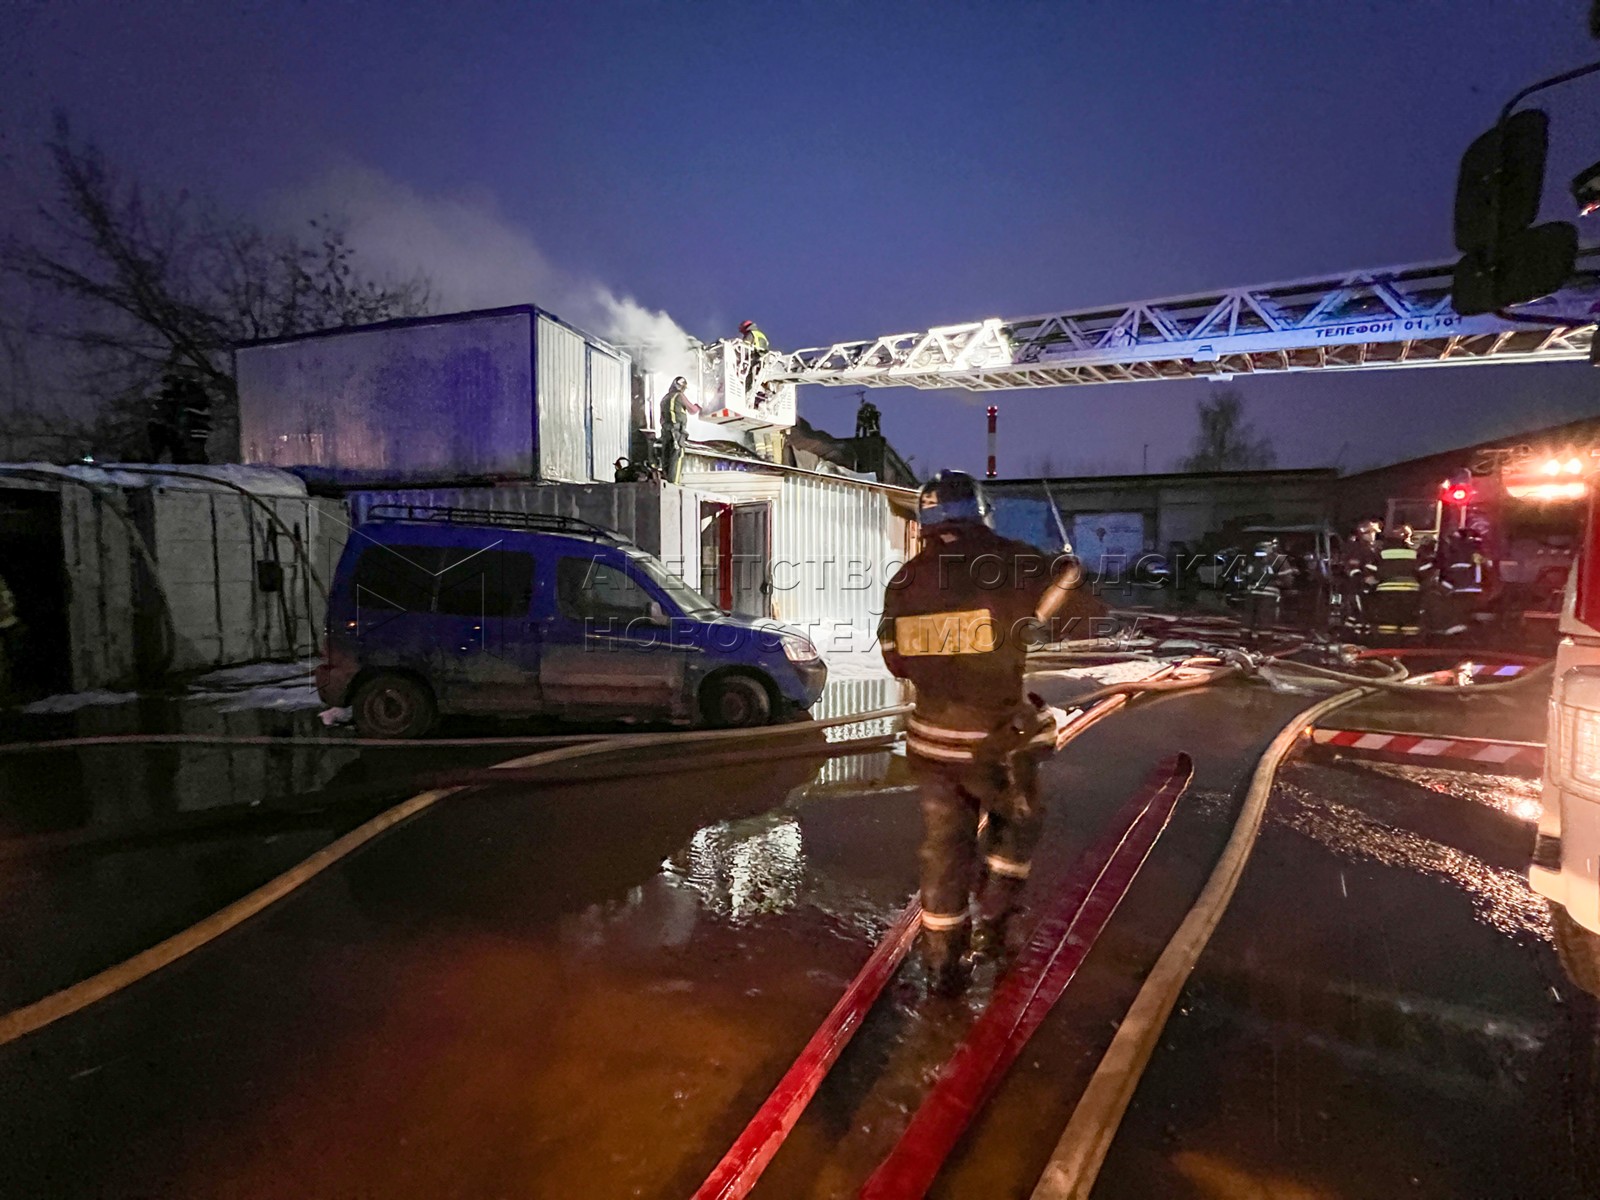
(208, 545)
(650, 514)
(845, 696)
(832, 556)
(563, 382)
(420, 401)
(610, 410)
(98, 556)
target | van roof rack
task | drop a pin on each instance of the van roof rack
(538, 522)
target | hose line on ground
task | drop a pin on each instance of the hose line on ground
(32, 1017)
(1075, 1164)
(1452, 691)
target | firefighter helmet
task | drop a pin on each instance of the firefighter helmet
(679, 384)
(951, 496)
(1369, 529)
(746, 326)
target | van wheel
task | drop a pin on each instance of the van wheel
(735, 702)
(393, 706)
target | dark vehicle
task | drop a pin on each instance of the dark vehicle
(447, 610)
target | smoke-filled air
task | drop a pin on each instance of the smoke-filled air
(473, 256)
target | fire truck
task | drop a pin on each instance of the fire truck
(1566, 858)
(1523, 507)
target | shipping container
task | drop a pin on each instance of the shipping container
(501, 394)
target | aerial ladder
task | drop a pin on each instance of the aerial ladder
(1358, 320)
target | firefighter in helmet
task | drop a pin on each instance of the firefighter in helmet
(1360, 573)
(957, 621)
(1266, 576)
(1462, 579)
(674, 428)
(1395, 606)
(756, 347)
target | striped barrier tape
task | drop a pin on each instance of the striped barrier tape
(1484, 754)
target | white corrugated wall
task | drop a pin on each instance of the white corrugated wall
(563, 390)
(610, 409)
(832, 555)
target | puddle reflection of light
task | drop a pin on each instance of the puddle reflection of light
(1501, 898)
(1518, 798)
(745, 868)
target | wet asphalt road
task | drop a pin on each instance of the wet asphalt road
(585, 988)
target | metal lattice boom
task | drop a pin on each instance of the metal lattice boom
(1395, 317)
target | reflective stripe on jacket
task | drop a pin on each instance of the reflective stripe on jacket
(1397, 570)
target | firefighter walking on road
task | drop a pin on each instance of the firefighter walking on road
(958, 618)
(1395, 606)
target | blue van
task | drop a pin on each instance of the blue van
(451, 610)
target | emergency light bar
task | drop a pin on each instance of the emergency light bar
(1559, 477)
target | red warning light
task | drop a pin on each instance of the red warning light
(1456, 490)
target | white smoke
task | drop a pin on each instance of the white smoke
(473, 256)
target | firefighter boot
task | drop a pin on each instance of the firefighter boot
(944, 954)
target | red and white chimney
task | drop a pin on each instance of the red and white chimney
(994, 419)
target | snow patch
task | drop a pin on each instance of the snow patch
(73, 701)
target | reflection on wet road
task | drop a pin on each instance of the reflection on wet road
(599, 980)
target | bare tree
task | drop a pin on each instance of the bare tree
(157, 284)
(1225, 441)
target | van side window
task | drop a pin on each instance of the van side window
(587, 589)
(488, 583)
(396, 578)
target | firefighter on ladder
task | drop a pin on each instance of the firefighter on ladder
(1395, 606)
(756, 347)
(957, 621)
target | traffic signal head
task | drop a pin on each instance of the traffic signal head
(1506, 259)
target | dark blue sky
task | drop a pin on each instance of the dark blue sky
(844, 170)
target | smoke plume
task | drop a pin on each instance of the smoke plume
(473, 256)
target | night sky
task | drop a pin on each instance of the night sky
(845, 170)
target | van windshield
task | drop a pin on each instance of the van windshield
(690, 601)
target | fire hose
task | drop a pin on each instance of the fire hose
(31, 1017)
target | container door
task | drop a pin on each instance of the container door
(602, 651)
(752, 559)
(487, 643)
